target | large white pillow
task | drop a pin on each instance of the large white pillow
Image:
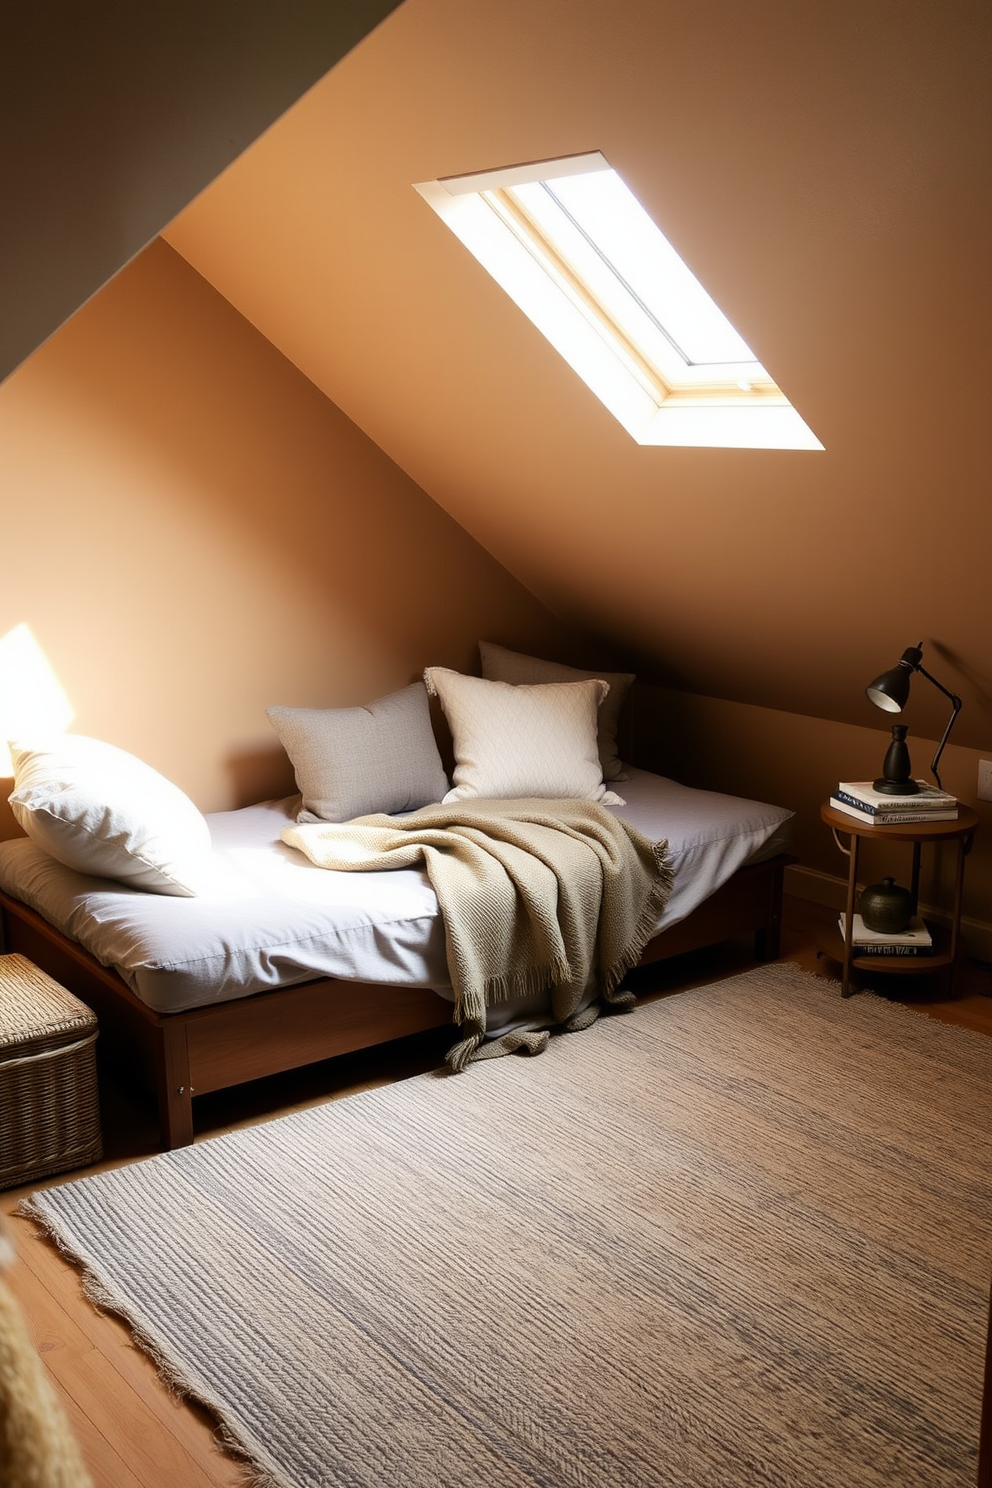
(100, 810)
(522, 742)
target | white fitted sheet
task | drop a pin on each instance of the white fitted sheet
(272, 918)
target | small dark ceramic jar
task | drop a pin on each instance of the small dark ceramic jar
(886, 908)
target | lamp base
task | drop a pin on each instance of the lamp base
(897, 773)
(886, 787)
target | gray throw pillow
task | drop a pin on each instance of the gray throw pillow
(356, 761)
(502, 665)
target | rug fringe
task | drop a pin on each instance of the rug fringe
(943, 1036)
(254, 1473)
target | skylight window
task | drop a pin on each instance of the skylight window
(572, 245)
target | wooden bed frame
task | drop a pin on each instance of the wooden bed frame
(180, 1055)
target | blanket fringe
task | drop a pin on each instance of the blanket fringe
(613, 975)
(519, 1041)
(473, 1000)
(528, 983)
(460, 1055)
(583, 1019)
(470, 1011)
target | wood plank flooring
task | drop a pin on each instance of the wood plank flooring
(133, 1432)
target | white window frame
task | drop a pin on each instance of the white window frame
(735, 406)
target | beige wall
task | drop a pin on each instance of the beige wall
(193, 532)
(795, 761)
(823, 168)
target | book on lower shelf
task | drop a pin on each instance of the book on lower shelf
(916, 940)
(863, 795)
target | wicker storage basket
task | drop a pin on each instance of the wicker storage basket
(49, 1113)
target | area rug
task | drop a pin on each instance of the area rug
(741, 1236)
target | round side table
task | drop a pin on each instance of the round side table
(840, 948)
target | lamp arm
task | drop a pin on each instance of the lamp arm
(955, 710)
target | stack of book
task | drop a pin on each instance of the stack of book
(916, 940)
(858, 798)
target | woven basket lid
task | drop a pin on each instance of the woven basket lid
(35, 1012)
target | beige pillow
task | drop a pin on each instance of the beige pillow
(522, 742)
(501, 665)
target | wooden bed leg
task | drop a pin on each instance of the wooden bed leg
(768, 940)
(175, 1094)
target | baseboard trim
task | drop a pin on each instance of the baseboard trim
(830, 890)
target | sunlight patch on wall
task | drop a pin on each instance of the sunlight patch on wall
(32, 700)
(572, 246)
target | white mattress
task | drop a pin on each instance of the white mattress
(272, 919)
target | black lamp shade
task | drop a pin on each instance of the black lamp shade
(890, 691)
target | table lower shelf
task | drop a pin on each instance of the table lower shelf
(831, 943)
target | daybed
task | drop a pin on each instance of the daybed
(325, 966)
(269, 962)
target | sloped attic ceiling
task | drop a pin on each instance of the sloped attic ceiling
(824, 169)
(112, 115)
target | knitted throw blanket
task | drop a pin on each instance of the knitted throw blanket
(536, 896)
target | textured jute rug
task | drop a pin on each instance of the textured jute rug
(741, 1236)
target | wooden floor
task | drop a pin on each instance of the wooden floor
(132, 1431)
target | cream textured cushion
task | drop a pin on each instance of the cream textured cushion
(100, 810)
(522, 742)
(355, 761)
(501, 665)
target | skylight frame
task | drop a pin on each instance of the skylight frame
(659, 399)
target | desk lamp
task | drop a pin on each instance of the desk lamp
(890, 691)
